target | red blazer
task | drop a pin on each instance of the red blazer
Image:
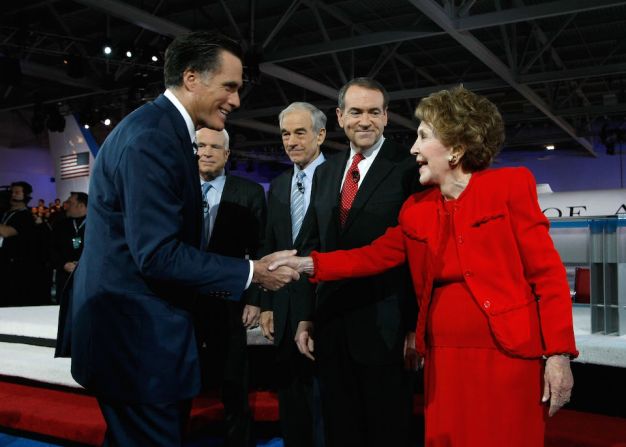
(509, 261)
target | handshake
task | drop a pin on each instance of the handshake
(280, 268)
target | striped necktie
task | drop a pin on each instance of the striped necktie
(206, 221)
(297, 205)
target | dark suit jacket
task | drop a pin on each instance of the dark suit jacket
(375, 313)
(132, 333)
(240, 224)
(294, 302)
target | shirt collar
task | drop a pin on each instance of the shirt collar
(217, 183)
(310, 169)
(370, 151)
(191, 128)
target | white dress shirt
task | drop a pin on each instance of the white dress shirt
(364, 165)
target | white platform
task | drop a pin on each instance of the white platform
(38, 363)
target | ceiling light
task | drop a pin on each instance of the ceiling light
(549, 147)
(155, 58)
(129, 54)
(86, 126)
(107, 122)
(107, 50)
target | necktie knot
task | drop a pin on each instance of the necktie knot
(300, 181)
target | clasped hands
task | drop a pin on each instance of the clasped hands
(280, 268)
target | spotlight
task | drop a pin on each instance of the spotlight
(107, 50)
(129, 54)
(155, 58)
(86, 126)
(107, 122)
(549, 147)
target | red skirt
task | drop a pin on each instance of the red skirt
(475, 394)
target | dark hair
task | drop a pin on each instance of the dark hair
(26, 188)
(199, 51)
(368, 83)
(81, 197)
(462, 119)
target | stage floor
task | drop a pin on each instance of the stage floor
(28, 334)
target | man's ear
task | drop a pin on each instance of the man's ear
(340, 117)
(191, 78)
(321, 136)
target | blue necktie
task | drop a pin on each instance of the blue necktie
(206, 221)
(297, 205)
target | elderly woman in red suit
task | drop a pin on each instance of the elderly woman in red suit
(495, 323)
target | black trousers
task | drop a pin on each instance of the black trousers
(363, 405)
(141, 425)
(298, 397)
(223, 348)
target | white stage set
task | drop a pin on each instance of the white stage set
(27, 340)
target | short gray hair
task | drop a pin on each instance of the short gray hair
(226, 137)
(318, 118)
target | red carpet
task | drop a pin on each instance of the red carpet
(76, 417)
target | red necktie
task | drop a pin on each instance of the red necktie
(350, 187)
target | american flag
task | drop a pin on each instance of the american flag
(74, 165)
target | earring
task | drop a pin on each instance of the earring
(452, 159)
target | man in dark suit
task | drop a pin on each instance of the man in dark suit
(363, 326)
(289, 226)
(234, 225)
(133, 342)
(67, 239)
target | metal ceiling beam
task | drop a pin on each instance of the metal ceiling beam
(340, 16)
(349, 43)
(574, 73)
(321, 89)
(281, 22)
(53, 74)
(531, 12)
(137, 16)
(482, 53)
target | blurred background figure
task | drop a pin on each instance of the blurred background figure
(16, 247)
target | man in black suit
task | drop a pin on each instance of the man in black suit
(363, 326)
(289, 226)
(133, 343)
(234, 225)
(67, 239)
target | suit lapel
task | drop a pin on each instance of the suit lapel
(375, 175)
(185, 145)
(283, 191)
